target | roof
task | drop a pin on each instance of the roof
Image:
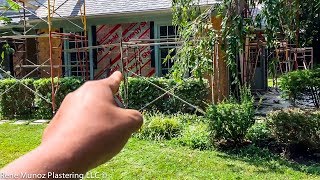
(71, 8)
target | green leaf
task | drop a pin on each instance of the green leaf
(13, 5)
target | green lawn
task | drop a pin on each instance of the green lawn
(270, 82)
(165, 160)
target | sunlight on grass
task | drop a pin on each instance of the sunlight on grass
(270, 82)
(165, 160)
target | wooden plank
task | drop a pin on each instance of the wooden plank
(43, 53)
(220, 80)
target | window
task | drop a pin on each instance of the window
(167, 32)
(78, 57)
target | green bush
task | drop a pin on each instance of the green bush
(190, 118)
(43, 87)
(141, 92)
(231, 120)
(259, 133)
(295, 127)
(296, 84)
(16, 100)
(195, 136)
(159, 127)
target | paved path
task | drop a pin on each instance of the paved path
(25, 122)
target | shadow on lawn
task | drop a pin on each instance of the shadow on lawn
(264, 158)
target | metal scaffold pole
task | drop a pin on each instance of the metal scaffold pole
(51, 60)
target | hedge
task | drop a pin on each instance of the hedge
(16, 99)
(295, 85)
(141, 92)
(19, 101)
(43, 87)
(296, 128)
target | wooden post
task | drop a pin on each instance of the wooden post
(219, 80)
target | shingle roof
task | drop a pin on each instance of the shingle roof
(71, 8)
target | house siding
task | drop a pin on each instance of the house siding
(138, 60)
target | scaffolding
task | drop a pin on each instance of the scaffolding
(292, 58)
(49, 63)
(54, 68)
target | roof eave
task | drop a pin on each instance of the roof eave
(109, 15)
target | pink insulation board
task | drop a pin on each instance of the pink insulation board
(137, 60)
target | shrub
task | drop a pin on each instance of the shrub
(16, 99)
(141, 92)
(231, 120)
(259, 133)
(296, 128)
(159, 127)
(195, 136)
(190, 118)
(43, 87)
(297, 83)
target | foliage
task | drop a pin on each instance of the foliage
(295, 127)
(11, 5)
(297, 83)
(309, 20)
(16, 98)
(191, 118)
(230, 120)
(43, 87)
(142, 93)
(280, 20)
(159, 127)
(6, 50)
(196, 52)
(195, 136)
(259, 133)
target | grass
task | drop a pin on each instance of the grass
(166, 160)
(270, 82)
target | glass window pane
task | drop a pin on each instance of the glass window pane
(171, 31)
(163, 31)
(164, 71)
(164, 53)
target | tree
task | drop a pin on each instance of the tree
(291, 20)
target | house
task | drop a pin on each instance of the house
(109, 23)
(137, 34)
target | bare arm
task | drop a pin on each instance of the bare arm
(88, 130)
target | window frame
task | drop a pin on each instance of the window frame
(159, 58)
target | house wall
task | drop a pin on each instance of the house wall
(152, 20)
(18, 58)
(24, 57)
(43, 54)
(137, 60)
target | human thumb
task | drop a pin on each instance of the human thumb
(113, 81)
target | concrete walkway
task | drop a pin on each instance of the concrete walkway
(26, 122)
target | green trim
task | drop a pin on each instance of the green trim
(157, 48)
(89, 34)
(66, 57)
